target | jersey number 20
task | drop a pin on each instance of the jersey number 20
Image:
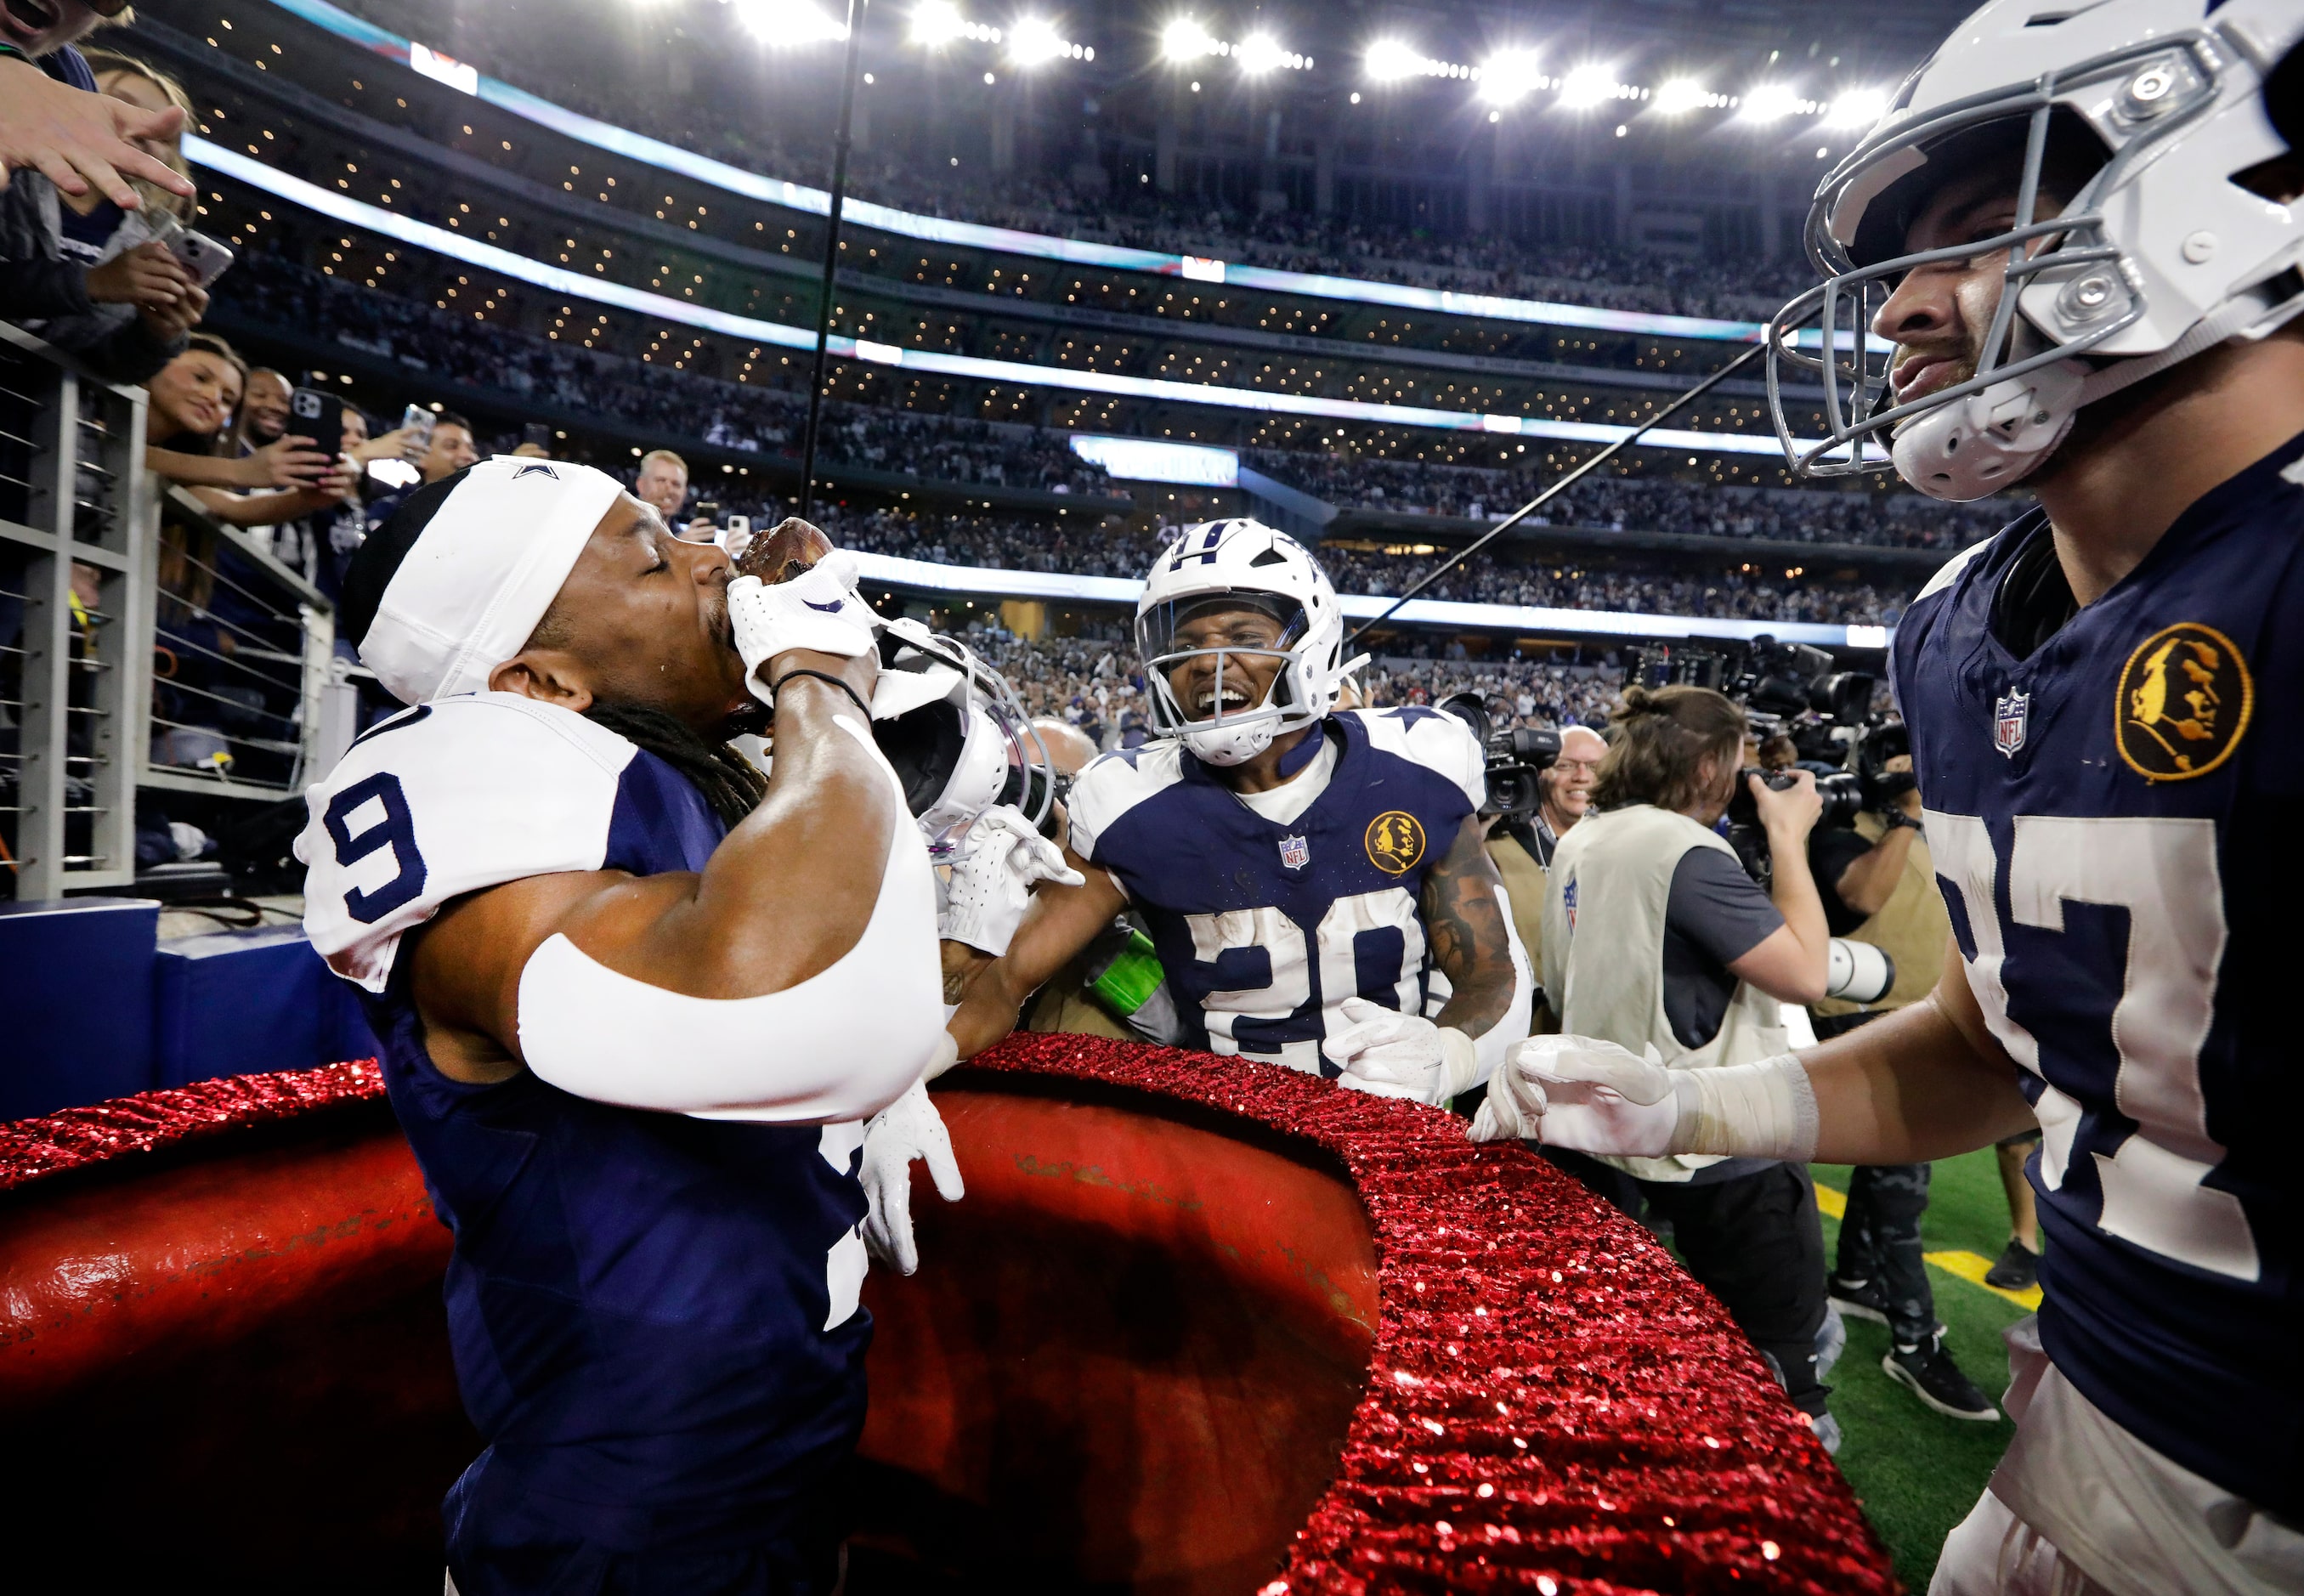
(2163, 871)
(1337, 943)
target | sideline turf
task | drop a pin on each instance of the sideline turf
(1917, 1471)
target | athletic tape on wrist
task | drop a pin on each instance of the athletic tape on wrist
(1764, 1110)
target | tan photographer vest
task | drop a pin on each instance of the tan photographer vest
(1603, 961)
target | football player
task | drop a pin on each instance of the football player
(2077, 229)
(635, 1006)
(1312, 876)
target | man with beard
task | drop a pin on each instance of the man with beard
(635, 1003)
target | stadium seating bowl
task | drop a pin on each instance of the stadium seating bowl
(1128, 1361)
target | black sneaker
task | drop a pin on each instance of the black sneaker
(2018, 1270)
(1936, 1380)
(1859, 1299)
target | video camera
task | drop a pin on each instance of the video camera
(1516, 756)
(1783, 687)
(1792, 688)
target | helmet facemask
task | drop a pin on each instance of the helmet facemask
(1227, 721)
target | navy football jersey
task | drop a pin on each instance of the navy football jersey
(1265, 928)
(654, 1318)
(2113, 798)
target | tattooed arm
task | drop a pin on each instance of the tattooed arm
(1464, 924)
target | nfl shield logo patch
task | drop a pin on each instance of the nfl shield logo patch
(1295, 853)
(1568, 902)
(2009, 716)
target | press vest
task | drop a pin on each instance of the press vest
(1605, 909)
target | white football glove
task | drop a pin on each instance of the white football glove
(991, 886)
(818, 610)
(908, 1128)
(1391, 1054)
(1582, 1093)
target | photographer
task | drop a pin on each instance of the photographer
(1878, 886)
(1655, 938)
(1522, 849)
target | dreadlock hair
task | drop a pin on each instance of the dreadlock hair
(731, 784)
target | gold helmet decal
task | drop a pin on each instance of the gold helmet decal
(2183, 702)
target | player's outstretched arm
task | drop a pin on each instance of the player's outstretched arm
(1061, 921)
(1470, 937)
(787, 896)
(1924, 1082)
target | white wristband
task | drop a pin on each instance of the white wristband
(1764, 1110)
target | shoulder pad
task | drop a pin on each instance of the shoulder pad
(1112, 783)
(1437, 741)
(444, 800)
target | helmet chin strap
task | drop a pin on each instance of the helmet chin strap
(1949, 453)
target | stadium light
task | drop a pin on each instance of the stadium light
(789, 22)
(1389, 59)
(1510, 77)
(1033, 40)
(1588, 86)
(1857, 108)
(1260, 53)
(1185, 39)
(1773, 102)
(1677, 96)
(936, 23)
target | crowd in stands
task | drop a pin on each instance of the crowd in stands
(1897, 520)
(1090, 549)
(1740, 594)
(761, 418)
(753, 417)
(1096, 683)
(746, 133)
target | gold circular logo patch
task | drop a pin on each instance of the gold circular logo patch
(2184, 701)
(1395, 842)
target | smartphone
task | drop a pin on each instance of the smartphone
(739, 526)
(538, 433)
(200, 255)
(417, 422)
(318, 416)
(735, 536)
(706, 510)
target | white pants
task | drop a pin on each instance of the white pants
(2080, 1506)
(1992, 1552)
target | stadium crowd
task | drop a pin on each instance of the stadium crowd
(1096, 684)
(270, 291)
(745, 135)
(1660, 504)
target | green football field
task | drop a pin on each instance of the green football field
(1917, 1471)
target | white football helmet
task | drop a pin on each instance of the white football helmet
(2164, 252)
(1241, 563)
(958, 735)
